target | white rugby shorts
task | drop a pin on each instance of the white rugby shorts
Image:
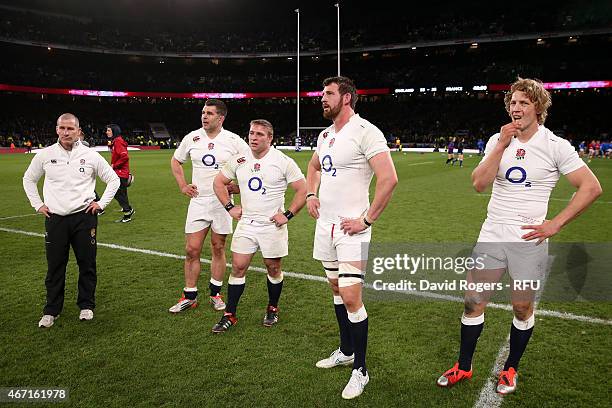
(332, 244)
(500, 246)
(204, 212)
(251, 235)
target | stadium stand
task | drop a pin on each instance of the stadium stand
(97, 52)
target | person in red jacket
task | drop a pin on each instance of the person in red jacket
(120, 162)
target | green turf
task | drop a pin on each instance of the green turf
(134, 353)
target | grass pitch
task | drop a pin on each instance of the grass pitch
(135, 353)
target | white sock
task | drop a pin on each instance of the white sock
(359, 316)
(524, 324)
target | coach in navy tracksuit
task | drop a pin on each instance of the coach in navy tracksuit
(69, 205)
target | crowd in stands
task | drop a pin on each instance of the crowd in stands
(416, 119)
(438, 66)
(383, 25)
(426, 119)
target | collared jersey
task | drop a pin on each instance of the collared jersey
(208, 156)
(70, 178)
(345, 171)
(527, 174)
(262, 182)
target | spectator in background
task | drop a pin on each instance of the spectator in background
(120, 162)
(451, 150)
(481, 145)
(581, 148)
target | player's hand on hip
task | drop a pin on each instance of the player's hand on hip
(507, 132)
(190, 190)
(236, 212)
(45, 210)
(313, 204)
(93, 207)
(352, 226)
(541, 232)
(279, 219)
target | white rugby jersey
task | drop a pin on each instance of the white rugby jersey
(208, 156)
(70, 178)
(262, 182)
(527, 174)
(345, 171)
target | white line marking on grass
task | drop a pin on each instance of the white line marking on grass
(489, 398)
(488, 394)
(17, 216)
(503, 306)
(207, 261)
(416, 164)
(540, 312)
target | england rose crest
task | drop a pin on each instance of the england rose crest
(331, 141)
(520, 154)
(256, 166)
(211, 146)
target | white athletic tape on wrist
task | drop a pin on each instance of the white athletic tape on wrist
(524, 324)
(472, 321)
(236, 281)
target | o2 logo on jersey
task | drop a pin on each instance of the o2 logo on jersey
(328, 166)
(256, 184)
(211, 146)
(517, 175)
(210, 161)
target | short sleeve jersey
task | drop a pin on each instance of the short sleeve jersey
(262, 182)
(345, 171)
(527, 174)
(208, 156)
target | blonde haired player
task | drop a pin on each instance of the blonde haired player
(523, 162)
(348, 154)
